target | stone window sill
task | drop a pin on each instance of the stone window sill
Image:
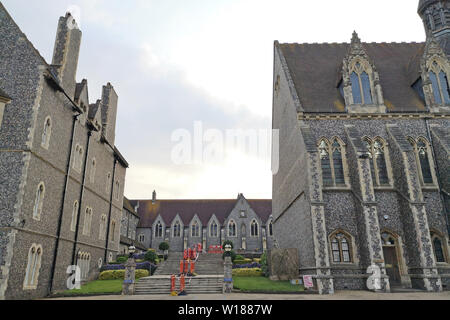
(344, 265)
(337, 188)
(430, 188)
(384, 188)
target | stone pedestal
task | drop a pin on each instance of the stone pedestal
(228, 275)
(130, 275)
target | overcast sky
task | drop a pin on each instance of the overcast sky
(173, 62)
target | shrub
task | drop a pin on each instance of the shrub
(257, 260)
(142, 273)
(150, 256)
(122, 259)
(239, 257)
(233, 255)
(228, 242)
(263, 262)
(163, 246)
(247, 272)
(150, 267)
(120, 274)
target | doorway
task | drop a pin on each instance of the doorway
(390, 252)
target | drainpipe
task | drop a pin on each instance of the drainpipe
(80, 200)
(110, 209)
(438, 177)
(63, 200)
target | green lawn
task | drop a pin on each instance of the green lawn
(97, 287)
(263, 284)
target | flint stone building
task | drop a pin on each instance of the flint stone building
(184, 223)
(62, 177)
(364, 158)
(128, 227)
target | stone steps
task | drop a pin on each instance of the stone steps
(161, 285)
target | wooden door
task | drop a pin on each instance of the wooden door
(392, 267)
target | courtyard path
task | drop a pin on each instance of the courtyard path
(340, 295)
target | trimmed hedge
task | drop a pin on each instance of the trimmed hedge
(120, 274)
(150, 267)
(242, 261)
(257, 260)
(248, 272)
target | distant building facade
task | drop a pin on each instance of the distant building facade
(128, 227)
(62, 177)
(184, 223)
(365, 157)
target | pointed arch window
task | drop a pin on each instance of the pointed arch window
(214, 230)
(87, 221)
(46, 133)
(271, 228)
(341, 248)
(73, 223)
(195, 230)
(177, 230)
(38, 202)
(141, 238)
(438, 247)
(33, 267)
(423, 160)
(158, 230)
(440, 84)
(378, 166)
(361, 87)
(232, 229)
(254, 231)
(93, 169)
(102, 233)
(113, 231)
(332, 171)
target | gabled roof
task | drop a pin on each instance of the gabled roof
(315, 69)
(128, 206)
(187, 209)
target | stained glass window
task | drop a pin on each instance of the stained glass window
(444, 85)
(366, 88)
(356, 89)
(438, 251)
(436, 91)
(340, 248)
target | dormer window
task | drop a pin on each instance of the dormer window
(361, 91)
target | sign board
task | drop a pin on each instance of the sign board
(296, 282)
(308, 281)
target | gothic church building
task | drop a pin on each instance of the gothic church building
(364, 174)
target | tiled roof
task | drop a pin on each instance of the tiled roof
(128, 206)
(187, 209)
(316, 70)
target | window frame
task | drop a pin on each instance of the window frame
(370, 143)
(47, 133)
(330, 150)
(39, 202)
(230, 223)
(31, 279)
(414, 143)
(339, 235)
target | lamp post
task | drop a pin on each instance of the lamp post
(228, 270)
(130, 273)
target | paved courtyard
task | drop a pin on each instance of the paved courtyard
(340, 295)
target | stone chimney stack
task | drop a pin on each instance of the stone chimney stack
(154, 197)
(66, 52)
(109, 112)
